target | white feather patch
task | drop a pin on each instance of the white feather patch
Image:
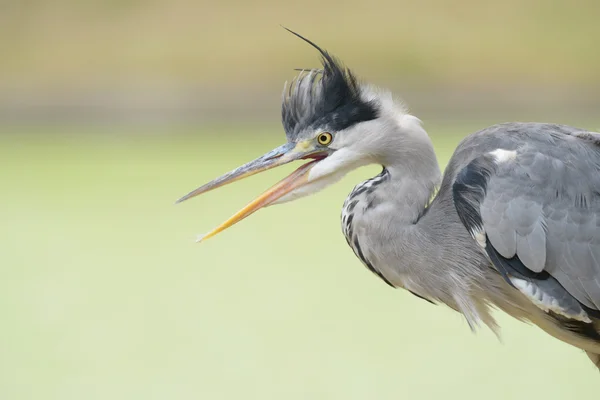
(545, 301)
(502, 156)
(479, 236)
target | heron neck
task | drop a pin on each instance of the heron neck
(414, 179)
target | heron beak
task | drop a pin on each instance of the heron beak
(281, 155)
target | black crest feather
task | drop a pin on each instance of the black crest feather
(327, 98)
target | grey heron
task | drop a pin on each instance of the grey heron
(513, 223)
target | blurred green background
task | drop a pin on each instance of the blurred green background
(109, 111)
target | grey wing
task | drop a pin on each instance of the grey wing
(535, 209)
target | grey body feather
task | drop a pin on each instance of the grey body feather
(543, 205)
(536, 204)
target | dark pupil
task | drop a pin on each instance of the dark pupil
(323, 138)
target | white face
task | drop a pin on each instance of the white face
(370, 142)
(348, 150)
(325, 173)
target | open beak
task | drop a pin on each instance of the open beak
(281, 155)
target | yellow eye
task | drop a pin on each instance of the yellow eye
(324, 138)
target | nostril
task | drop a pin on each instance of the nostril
(274, 157)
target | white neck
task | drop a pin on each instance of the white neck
(413, 167)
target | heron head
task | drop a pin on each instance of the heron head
(331, 121)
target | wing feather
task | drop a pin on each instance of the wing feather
(538, 203)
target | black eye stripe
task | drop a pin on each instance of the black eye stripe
(338, 104)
